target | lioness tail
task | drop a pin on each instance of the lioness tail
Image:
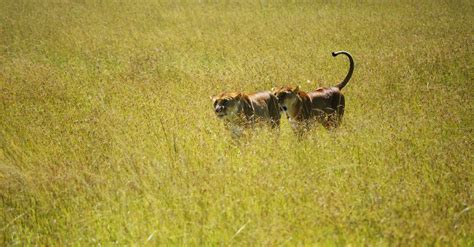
(351, 68)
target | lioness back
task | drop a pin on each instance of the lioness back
(328, 100)
(265, 105)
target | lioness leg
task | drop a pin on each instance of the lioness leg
(334, 116)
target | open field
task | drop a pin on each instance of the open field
(107, 133)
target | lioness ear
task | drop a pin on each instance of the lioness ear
(212, 97)
(273, 89)
(297, 89)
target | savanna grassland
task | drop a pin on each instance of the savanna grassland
(107, 132)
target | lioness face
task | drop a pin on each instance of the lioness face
(226, 105)
(286, 96)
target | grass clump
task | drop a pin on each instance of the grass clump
(107, 134)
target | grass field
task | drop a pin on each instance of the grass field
(107, 133)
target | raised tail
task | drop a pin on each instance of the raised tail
(351, 68)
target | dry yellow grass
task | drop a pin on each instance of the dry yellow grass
(107, 134)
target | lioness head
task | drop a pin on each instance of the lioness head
(286, 96)
(226, 104)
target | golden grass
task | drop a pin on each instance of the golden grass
(107, 133)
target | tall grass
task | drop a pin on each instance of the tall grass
(107, 133)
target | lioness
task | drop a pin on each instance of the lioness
(240, 110)
(324, 105)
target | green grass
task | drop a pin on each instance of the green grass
(107, 133)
